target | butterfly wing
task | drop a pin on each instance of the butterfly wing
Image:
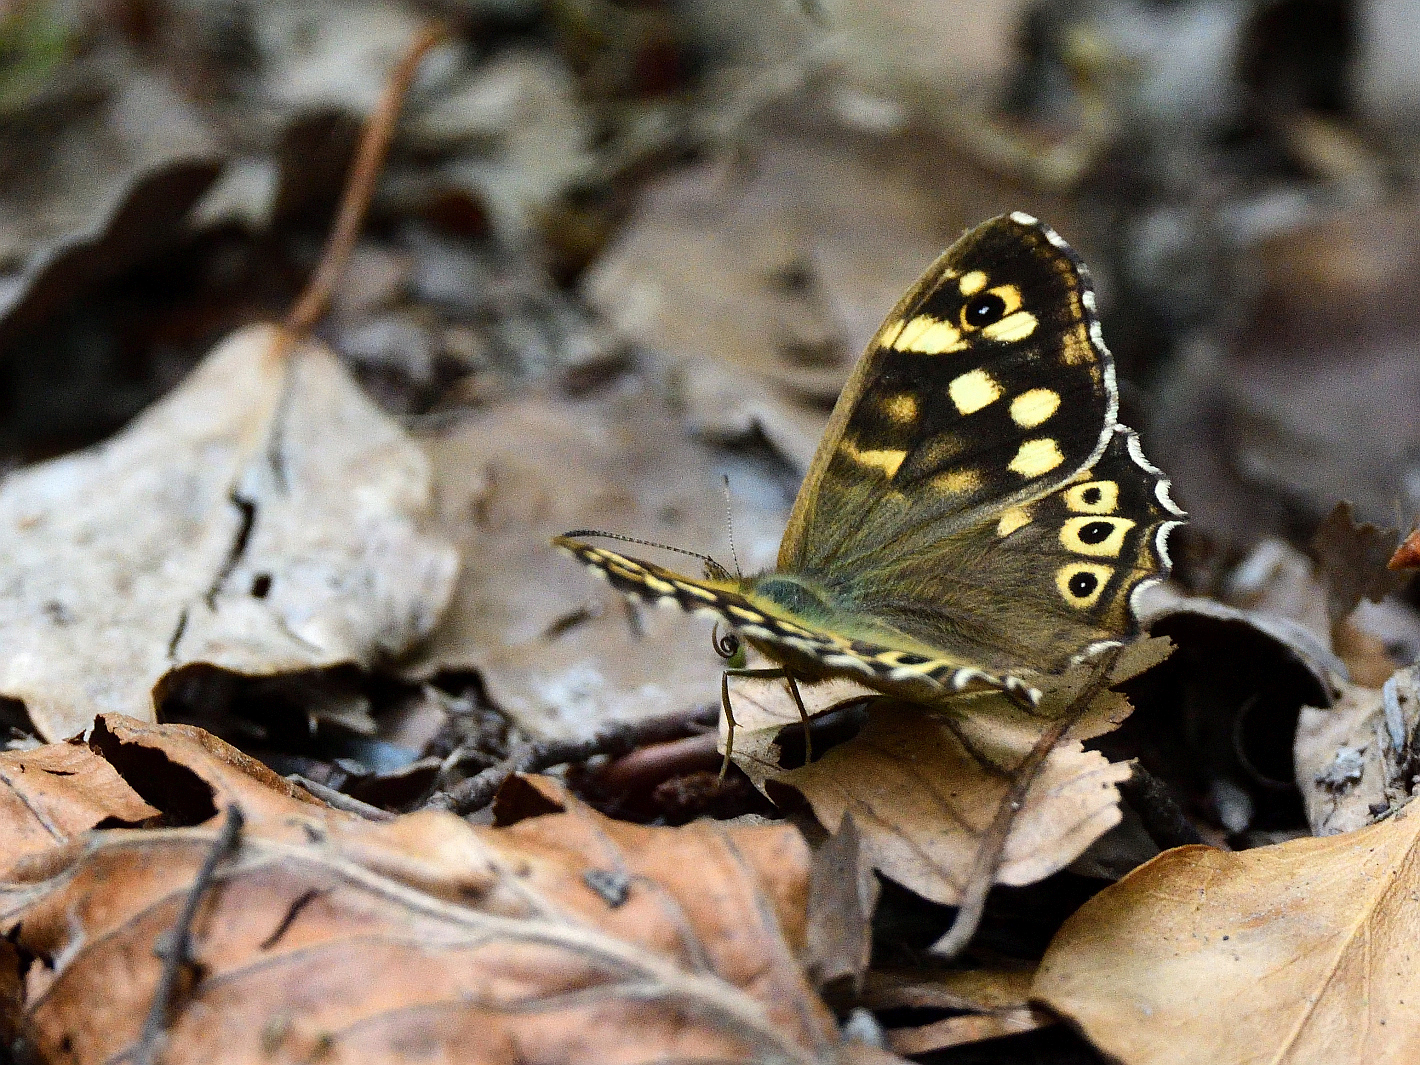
(814, 647)
(938, 503)
(945, 417)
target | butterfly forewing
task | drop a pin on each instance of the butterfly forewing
(985, 386)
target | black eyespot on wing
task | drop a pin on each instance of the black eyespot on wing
(1082, 584)
(1095, 532)
(1091, 496)
(983, 310)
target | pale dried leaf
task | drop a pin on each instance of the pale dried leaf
(560, 652)
(109, 192)
(923, 784)
(566, 938)
(1292, 954)
(263, 518)
(1356, 759)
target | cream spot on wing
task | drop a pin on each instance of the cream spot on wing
(901, 408)
(890, 333)
(972, 283)
(1036, 457)
(973, 390)
(1011, 520)
(741, 612)
(1011, 328)
(1082, 583)
(1101, 537)
(886, 459)
(1030, 409)
(957, 482)
(1093, 497)
(699, 593)
(929, 336)
(658, 585)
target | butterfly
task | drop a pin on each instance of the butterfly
(975, 515)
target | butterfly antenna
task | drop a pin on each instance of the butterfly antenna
(730, 525)
(716, 570)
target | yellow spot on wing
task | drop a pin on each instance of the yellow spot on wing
(890, 333)
(887, 459)
(699, 593)
(1030, 409)
(973, 390)
(1011, 328)
(957, 482)
(972, 283)
(1011, 520)
(901, 408)
(1036, 457)
(1065, 573)
(1109, 547)
(741, 612)
(1079, 496)
(928, 336)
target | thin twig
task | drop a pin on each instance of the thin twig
(176, 950)
(338, 799)
(468, 796)
(360, 187)
(993, 843)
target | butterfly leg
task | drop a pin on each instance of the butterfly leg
(803, 716)
(765, 674)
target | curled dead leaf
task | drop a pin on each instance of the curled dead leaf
(990, 1003)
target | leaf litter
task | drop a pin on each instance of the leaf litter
(555, 937)
(536, 178)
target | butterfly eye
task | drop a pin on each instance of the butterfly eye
(983, 310)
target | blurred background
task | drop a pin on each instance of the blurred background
(719, 202)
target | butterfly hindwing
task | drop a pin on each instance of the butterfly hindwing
(813, 650)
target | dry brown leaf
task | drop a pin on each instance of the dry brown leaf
(923, 785)
(1407, 555)
(561, 653)
(842, 896)
(1355, 761)
(263, 517)
(191, 775)
(1296, 953)
(52, 793)
(565, 938)
(1351, 560)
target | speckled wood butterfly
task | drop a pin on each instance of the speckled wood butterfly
(974, 514)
